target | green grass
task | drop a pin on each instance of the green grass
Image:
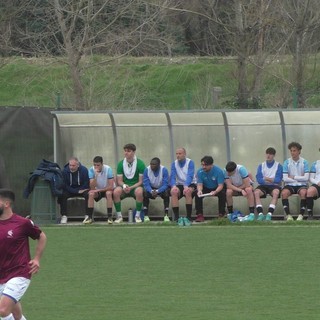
(153, 272)
(151, 83)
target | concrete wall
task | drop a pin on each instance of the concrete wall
(240, 136)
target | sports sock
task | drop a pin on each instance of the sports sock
(303, 204)
(189, 210)
(310, 203)
(230, 209)
(271, 208)
(285, 203)
(119, 215)
(117, 206)
(90, 212)
(138, 206)
(259, 208)
(175, 212)
(145, 211)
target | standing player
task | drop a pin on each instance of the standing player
(16, 266)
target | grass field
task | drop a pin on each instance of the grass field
(156, 272)
(148, 83)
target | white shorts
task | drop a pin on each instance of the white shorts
(15, 288)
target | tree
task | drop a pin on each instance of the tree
(113, 27)
(300, 27)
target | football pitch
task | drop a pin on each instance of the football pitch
(252, 271)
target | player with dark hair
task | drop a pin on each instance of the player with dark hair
(156, 184)
(129, 182)
(16, 265)
(269, 178)
(239, 183)
(101, 186)
(295, 178)
(210, 181)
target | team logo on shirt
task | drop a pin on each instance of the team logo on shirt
(10, 234)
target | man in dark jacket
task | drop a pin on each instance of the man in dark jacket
(76, 179)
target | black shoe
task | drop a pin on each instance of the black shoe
(310, 217)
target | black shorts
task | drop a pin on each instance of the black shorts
(181, 187)
(294, 189)
(318, 190)
(266, 189)
(100, 196)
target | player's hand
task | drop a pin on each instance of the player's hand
(34, 266)
(126, 188)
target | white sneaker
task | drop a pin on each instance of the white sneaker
(118, 220)
(289, 217)
(87, 220)
(300, 217)
(138, 219)
(64, 219)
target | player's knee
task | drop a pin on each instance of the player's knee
(117, 192)
(91, 195)
(139, 192)
(4, 312)
(276, 193)
(248, 190)
(109, 194)
(175, 192)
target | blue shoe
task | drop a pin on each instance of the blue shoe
(261, 217)
(249, 217)
(181, 222)
(187, 222)
(268, 216)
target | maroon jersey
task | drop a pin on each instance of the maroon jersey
(14, 247)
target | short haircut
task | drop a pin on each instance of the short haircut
(7, 194)
(73, 158)
(271, 150)
(294, 145)
(155, 159)
(231, 166)
(98, 159)
(207, 160)
(130, 146)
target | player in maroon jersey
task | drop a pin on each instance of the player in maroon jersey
(16, 265)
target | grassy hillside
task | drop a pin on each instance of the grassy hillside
(143, 83)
